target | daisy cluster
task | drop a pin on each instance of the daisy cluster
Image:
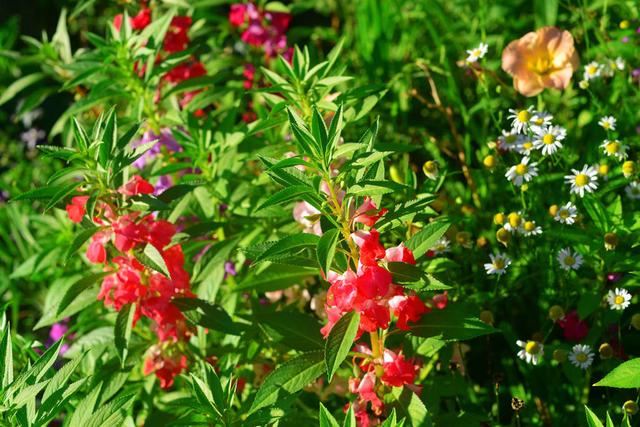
(596, 70)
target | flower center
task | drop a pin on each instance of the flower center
(581, 357)
(543, 65)
(569, 260)
(582, 180)
(498, 264)
(548, 139)
(524, 116)
(529, 226)
(532, 347)
(613, 147)
(592, 69)
(564, 214)
(527, 145)
(510, 139)
(619, 299)
(521, 169)
(606, 125)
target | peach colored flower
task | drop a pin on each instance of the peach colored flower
(543, 59)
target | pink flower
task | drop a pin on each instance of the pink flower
(397, 370)
(399, 253)
(76, 209)
(308, 216)
(368, 213)
(136, 185)
(440, 301)
(237, 14)
(407, 309)
(370, 248)
(543, 59)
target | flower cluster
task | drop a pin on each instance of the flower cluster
(129, 281)
(261, 28)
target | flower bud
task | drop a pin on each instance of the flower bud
(560, 356)
(606, 351)
(556, 313)
(630, 407)
(498, 219)
(487, 317)
(489, 162)
(503, 236)
(624, 24)
(394, 173)
(603, 169)
(611, 240)
(553, 210)
(514, 219)
(430, 169)
(583, 84)
(628, 168)
(464, 239)
(482, 242)
(635, 321)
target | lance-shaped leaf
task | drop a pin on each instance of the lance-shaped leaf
(452, 323)
(326, 249)
(424, 239)
(626, 375)
(288, 245)
(340, 341)
(122, 331)
(289, 378)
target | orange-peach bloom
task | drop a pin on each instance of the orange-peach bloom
(543, 59)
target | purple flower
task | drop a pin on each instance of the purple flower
(625, 39)
(57, 332)
(165, 139)
(613, 277)
(230, 269)
(32, 136)
(164, 182)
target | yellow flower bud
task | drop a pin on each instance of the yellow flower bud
(553, 210)
(482, 242)
(611, 240)
(630, 407)
(430, 169)
(624, 24)
(583, 84)
(395, 174)
(464, 239)
(628, 168)
(498, 219)
(514, 219)
(487, 317)
(560, 355)
(556, 313)
(490, 162)
(503, 236)
(606, 351)
(603, 169)
(635, 321)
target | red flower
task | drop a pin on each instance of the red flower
(440, 301)
(165, 366)
(397, 370)
(76, 209)
(177, 38)
(370, 248)
(279, 20)
(407, 309)
(368, 213)
(573, 328)
(96, 252)
(237, 14)
(400, 253)
(136, 185)
(365, 388)
(373, 282)
(138, 22)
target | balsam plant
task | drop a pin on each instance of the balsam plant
(405, 214)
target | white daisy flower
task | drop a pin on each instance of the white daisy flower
(633, 190)
(607, 123)
(529, 228)
(525, 147)
(581, 356)
(592, 70)
(520, 119)
(540, 119)
(509, 141)
(498, 265)
(532, 351)
(522, 172)
(583, 180)
(569, 260)
(614, 148)
(441, 246)
(619, 63)
(619, 299)
(477, 53)
(566, 214)
(548, 138)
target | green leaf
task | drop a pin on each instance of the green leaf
(78, 240)
(350, 418)
(409, 406)
(325, 418)
(61, 377)
(423, 240)
(38, 193)
(109, 138)
(326, 249)
(19, 85)
(6, 356)
(122, 331)
(287, 194)
(597, 212)
(375, 188)
(77, 288)
(275, 277)
(297, 330)
(288, 245)
(61, 194)
(403, 272)
(592, 419)
(207, 314)
(289, 378)
(340, 341)
(151, 257)
(626, 375)
(80, 136)
(452, 323)
(113, 413)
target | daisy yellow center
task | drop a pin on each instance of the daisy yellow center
(564, 214)
(592, 69)
(514, 219)
(524, 116)
(569, 260)
(581, 180)
(510, 139)
(613, 147)
(619, 299)
(539, 121)
(606, 125)
(529, 226)
(527, 145)
(498, 264)
(440, 247)
(521, 169)
(581, 357)
(532, 347)
(548, 139)
(476, 52)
